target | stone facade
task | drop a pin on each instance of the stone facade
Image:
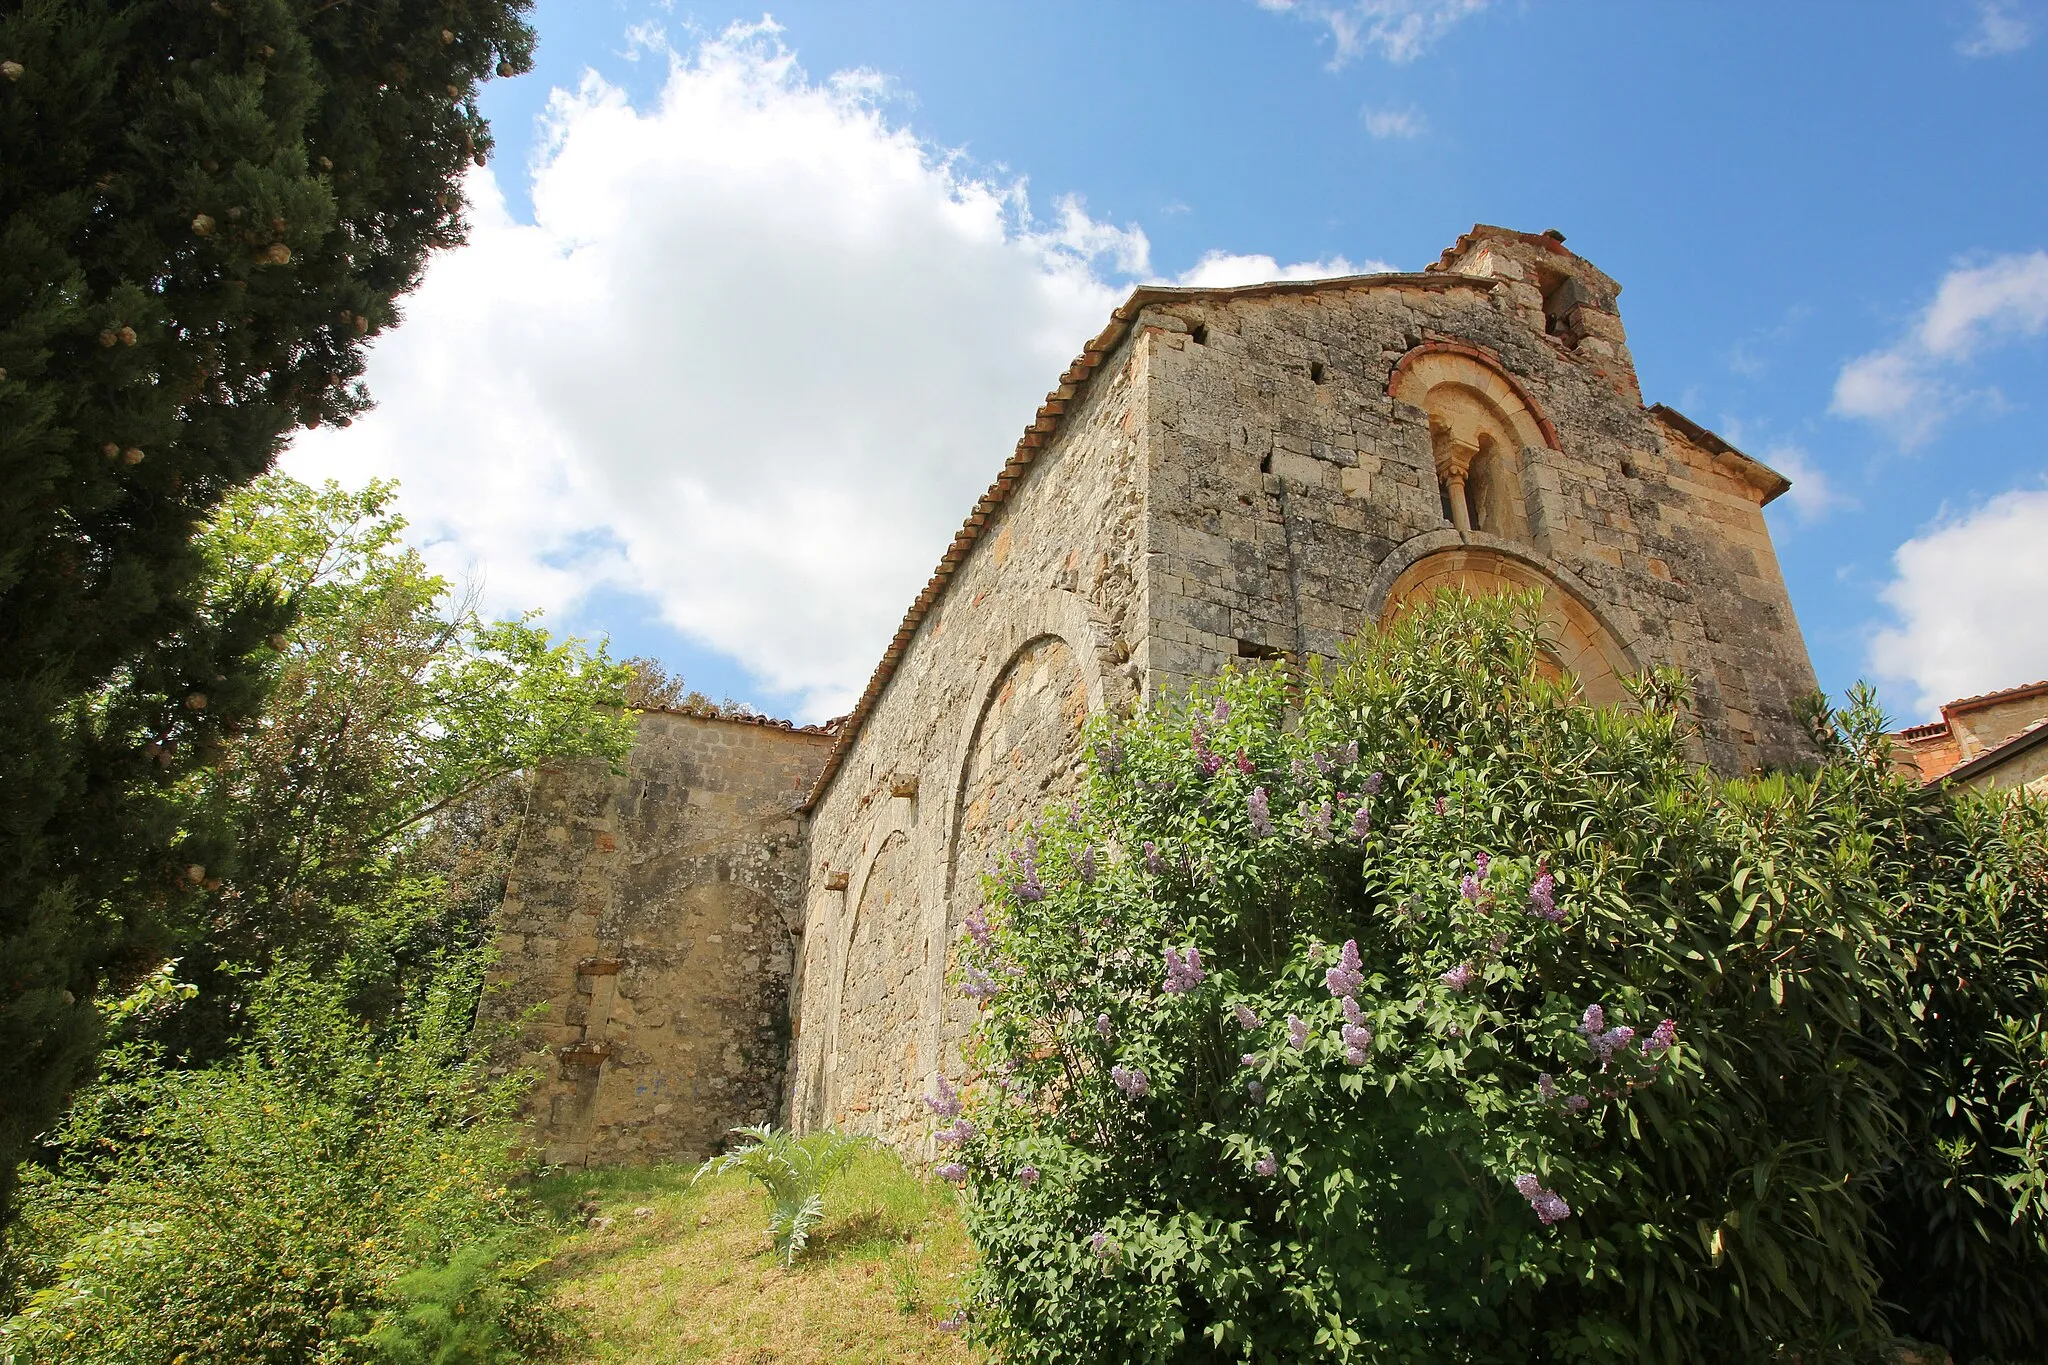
(647, 936)
(1249, 473)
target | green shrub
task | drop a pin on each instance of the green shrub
(319, 1197)
(1625, 1066)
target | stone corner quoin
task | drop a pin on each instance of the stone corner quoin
(754, 922)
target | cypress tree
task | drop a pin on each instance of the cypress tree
(207, 209)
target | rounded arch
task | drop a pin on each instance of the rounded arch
(1584, 644)
(1436, 363)
(1480, 422)
(871, 1058)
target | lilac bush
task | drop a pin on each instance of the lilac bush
(1566, 1051)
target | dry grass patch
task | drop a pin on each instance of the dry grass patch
(684, 1273)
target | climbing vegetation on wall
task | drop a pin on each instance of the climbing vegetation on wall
(1412, 1009)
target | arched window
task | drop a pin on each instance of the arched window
(1479, 425)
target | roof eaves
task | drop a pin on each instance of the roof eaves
(1753, 471)
(1073, 385)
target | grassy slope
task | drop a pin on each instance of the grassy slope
(685, 1274)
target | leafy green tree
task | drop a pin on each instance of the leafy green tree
(207, 208)
(369, 807)
(1413, 1011)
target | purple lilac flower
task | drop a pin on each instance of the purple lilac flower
(1026, 858)
(1221, 710)
(1255, 1091)
(1605, 1045)
(1578, 1104)
(1349, 974)
(1265, 1165)
(1316, 823)
(1103, 1245)
(1352, 1013)
(1183, 971)
(1084, 866)
(955, 1322)
(976, 925)
(1323, 763)
(1458, 977)
(1299, 769)
(1249, 1059)
(1209, 759)
(1543, 897)
(1102, 1027)
(1350, 756)
(1154, 864)
(1135, 1084)
(1245, 764)
(1027, 1176)
(1372, 783)
(1297, 1032)
(946, 1101)
(1246, 1019)
(1546, 1086)
(1110, 757)
(1549, 1208)
(952, 1171)
(1357, 1041)
(1361, 822)
(963, 1130)
(1441, 805)
(1261, 813)
(1594, 1020)
(979, 984)
(1661, 1038)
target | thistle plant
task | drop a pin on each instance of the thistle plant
(792, 1172)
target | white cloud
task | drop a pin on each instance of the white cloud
(2002, 27)
(755, 357)
(1907, 386)
(1221, 269)
(1968, 595)
(1386, 123)
(1400, 30)
(1813, 494)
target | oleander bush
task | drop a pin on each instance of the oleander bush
(1409, 1009)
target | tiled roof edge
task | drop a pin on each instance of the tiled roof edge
(2037, 733)
(1039, 434)
(830, 727)
(1984, 699)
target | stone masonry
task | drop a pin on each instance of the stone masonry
(646, 938)
(1224, 474)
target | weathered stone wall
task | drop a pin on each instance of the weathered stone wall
(1290, 489)
(1258, 472)
(648, 929)
(978, 727)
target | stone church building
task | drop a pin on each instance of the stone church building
(753, 922)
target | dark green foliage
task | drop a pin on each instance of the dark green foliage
(278, 1206)
(206, 210)
(1749, 1190)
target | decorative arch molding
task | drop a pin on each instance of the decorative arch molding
(1456, 362)
(1589, 645)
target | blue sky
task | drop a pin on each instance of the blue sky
(840, 260)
